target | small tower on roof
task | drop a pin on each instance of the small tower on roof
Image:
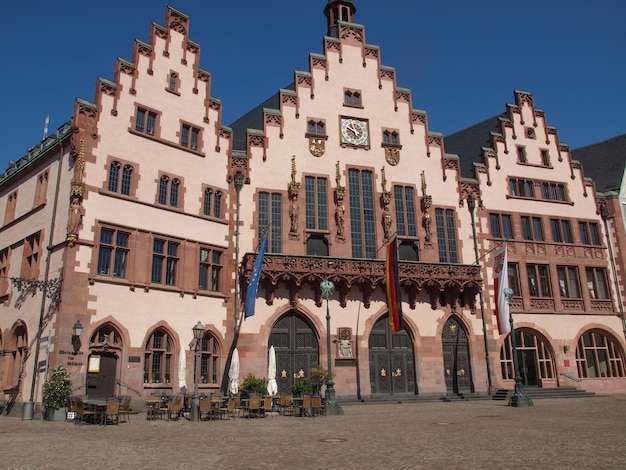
(338, 10)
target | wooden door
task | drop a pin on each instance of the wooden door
(456, 362)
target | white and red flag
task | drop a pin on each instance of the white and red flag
(501, 282)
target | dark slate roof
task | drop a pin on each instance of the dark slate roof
(253, 119)
(604, 162)
(468, 143)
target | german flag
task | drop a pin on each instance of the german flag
(392, 279)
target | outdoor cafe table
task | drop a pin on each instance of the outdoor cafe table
(98, 405)
(152, 406)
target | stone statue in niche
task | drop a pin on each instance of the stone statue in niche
(75, 219)
(339, 219)
(293, 215)
(387, 222)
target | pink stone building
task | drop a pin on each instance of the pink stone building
(143, 216)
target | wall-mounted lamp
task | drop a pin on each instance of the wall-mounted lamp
(565, 349)
(77, 330)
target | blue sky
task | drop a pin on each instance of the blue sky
(461, 60)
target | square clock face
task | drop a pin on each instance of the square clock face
(354, 132)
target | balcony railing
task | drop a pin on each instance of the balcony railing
(365, 275)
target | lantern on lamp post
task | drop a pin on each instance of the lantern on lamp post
(198, 334)
(331, 405)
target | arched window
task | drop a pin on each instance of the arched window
(209, 360)
(206, 209)
(163, 183)
(599, 355)
(158, 358)
(173, 81)
(114, 175)
(217, 207)
(127, 174)
(174, 193)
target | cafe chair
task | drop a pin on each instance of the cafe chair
(317, 406)
(82, 413)
(111, 414)
(125, 407)
(288, 408)
(303, 409)
(206, 408)
(267, 407)
(254, 406)
(228, 410)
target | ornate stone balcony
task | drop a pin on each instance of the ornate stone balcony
(456, 281)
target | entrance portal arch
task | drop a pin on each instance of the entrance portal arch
(392, 370)
(297, 349)
(456, 357)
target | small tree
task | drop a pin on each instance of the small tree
(302, 387)
(57, 389)
(252, 385)
(319, 376)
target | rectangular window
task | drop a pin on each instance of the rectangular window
(501, 226)
(404, 197)
(589, 234)
(270, 209)
(569, 284)
(4, 271)
(113, 250)
(446, 235)
(513, 274)
(362, 221)
(145, 121)
(545, 158)
(189, 137)
(553, 191)
(316, 202)
(209, 277)
(561, 231)
(521, 154)
(31, 256)
(538, 280)
(597, 283)
(531, 228)
(40, 191)
(521, 187)
(164, 262)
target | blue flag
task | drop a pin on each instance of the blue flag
(255, 277)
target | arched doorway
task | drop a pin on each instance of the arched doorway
(105, 346)
(535, 358)
(297, 349)
(456, 362)
(392, 370)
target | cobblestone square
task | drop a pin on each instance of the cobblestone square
(583, 433)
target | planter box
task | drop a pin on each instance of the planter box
(55, 415)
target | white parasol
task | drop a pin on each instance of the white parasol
(182, 370)
(233, 373)
(272, 387)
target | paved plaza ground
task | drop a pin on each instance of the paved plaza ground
(581, 433)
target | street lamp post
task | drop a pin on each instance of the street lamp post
(332, 407)
(519, 398)
(198, 333)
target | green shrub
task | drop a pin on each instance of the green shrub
(252, 385)
(302, 387)
(57, 389)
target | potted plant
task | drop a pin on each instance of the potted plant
(56, 391)
(252, 385)
(302, 387)
(320, 377)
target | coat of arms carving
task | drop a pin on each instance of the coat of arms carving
(317, 146)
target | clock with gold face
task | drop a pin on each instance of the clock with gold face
(354, 132)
